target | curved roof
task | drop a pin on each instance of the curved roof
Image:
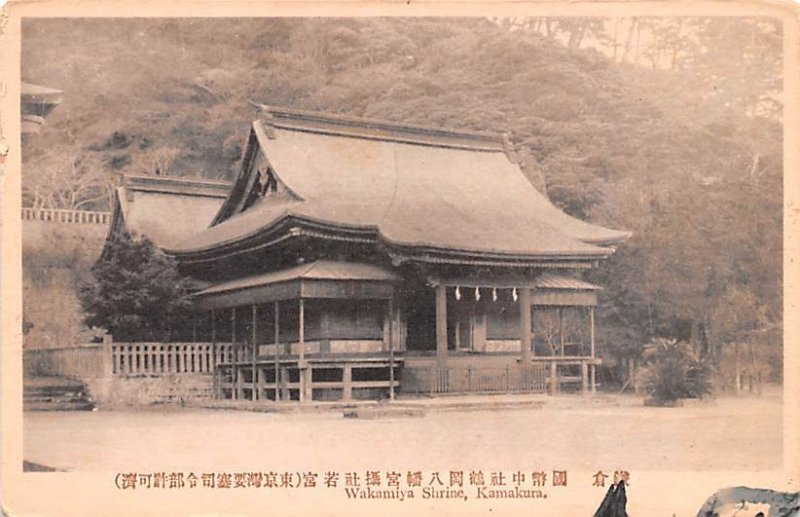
(419, 188)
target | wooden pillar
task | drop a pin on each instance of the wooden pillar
(214, 371)
(302, 346)
(584, 377)
(561, 329)
(235, 359)
(441, 324)
(592, 347)
(277, 354)
(347, 382)
(254, 372)
(553, 377)
(525, 324)
(392, 331)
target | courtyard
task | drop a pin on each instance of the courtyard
(569, 432)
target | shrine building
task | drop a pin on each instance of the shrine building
(362, 259)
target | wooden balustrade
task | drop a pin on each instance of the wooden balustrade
(159, 358)
(66, 216)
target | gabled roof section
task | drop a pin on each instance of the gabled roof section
(165, 209)
(414, 188)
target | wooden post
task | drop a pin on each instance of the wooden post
(553, 378)
(235, 359)
(302, 345)
(108, 356)
(277, 354)
(584, 377)
(592, 347)
(347, 382)
(392, 330)
(254, 373)
(441, 325)
(214, 353)
(561, 329)
(525, 324)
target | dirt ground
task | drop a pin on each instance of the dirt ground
(567, 432)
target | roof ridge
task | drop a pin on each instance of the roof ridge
(132, 179)
(346, 125)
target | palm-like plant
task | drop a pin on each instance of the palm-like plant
(673, 372)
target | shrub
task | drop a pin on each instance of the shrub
(671, 371)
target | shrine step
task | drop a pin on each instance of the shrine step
(55, 394)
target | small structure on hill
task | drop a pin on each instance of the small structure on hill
(351, 258)
(37, 102)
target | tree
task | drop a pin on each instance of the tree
(136, 292)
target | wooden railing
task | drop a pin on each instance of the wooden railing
(66, 216)
(469, 379)
(158, 358)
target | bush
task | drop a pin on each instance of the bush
(671, 371)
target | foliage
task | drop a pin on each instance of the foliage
(666, 126)
(137, 293)
(672, 371)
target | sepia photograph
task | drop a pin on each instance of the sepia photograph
(501, 264)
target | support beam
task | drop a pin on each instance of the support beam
(584, 377)
(301, 319)
(392, 332)
(215, 359)
(592, 345)
(254, 372)
(277, 354)
(235, 359)
(525, 324)
(441, 324)
(347, 382)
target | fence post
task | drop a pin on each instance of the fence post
(108, 355)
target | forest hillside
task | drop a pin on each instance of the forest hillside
(668, 127)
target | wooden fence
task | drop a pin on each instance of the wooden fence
(99, 360)
(468, 379)
(157, 358)
(65, 216)
(87, 361)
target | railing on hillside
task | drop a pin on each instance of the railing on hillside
(468, 379)
(65, 216)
